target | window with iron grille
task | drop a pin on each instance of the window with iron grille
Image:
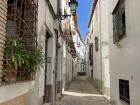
(21, 24)
(124, 90)
(91, 54)
(96, 44)
(22, 20)
(119, 25)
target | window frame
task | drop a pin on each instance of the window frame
(119, 26)
(24, 26)
(124, 91)
(91, 54)
(96, 44)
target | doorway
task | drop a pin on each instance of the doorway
(45, 100)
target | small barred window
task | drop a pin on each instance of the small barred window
(124, 90)
(96, 44)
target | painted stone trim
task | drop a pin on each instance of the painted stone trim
(59, 86)
(49, 93)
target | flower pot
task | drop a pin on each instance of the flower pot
(9, 73)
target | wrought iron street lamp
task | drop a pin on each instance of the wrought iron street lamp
(73, 6)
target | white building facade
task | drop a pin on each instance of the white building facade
(114, 24)
(58, 60)
(124, 53)
(99, 36)
(80, 47)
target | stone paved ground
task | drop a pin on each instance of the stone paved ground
(81, 92)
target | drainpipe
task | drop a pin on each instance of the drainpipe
(100, 46)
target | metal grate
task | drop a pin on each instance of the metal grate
(91, 54)
(124, 90)
(21, 23)
(119, 28)
(22, 20)
(96, 44)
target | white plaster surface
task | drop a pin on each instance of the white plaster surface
(124, 61)
(8, 92)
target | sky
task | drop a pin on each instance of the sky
(83, 10)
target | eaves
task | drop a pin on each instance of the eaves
(92, 12)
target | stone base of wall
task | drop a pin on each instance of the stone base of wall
(97, 84)
(50, 94)
(59, 86)
(106, 91)
(41, 100)
(20, 100)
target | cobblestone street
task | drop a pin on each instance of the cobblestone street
(81, 92)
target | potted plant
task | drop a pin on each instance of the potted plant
(9, 71)
(18, 56)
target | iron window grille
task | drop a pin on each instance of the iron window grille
(22, 20)
(119, 22)
(21, 23)
(124, 90)
(91, 54)
(96, 44)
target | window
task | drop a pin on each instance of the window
(21, 24)
(96, 44)
(91, 54)
(124, 90)
(119, 25)
(22, 20)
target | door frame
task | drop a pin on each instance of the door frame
(45, 81)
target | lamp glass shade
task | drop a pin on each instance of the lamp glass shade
(73, 6)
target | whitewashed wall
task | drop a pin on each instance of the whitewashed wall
(64, 65)
(12, 91)
(105, 47)
(124, 61)
(97, 55)
(99, 25)
(41, 42)
(46, 20)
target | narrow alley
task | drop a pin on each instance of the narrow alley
(69, 52)
(82, 92)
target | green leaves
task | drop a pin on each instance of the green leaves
(21, 56)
